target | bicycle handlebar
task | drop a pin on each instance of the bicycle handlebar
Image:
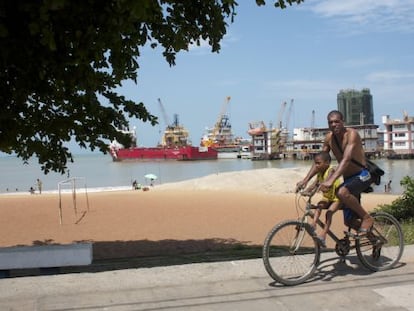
(305, 193)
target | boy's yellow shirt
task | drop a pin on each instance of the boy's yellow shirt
(329, 195)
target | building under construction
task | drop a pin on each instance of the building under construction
(269, 142)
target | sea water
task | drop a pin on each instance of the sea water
(98, 172)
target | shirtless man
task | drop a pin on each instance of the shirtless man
(356, 179)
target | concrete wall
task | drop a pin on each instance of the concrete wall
(45, 256)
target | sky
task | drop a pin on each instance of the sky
(307, 52)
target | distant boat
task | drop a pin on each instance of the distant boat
(174, 146)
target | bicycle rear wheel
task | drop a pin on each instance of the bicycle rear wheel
(290, 252)
(382, 247)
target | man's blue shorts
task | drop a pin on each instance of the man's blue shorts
(356, 184)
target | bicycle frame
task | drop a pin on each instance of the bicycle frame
(343, 245)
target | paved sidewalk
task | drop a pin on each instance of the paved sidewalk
(232, 285)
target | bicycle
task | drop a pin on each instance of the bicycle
(291, 250)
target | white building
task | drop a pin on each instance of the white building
(398, 137)
(308, 141)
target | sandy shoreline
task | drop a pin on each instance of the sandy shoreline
(197, 215)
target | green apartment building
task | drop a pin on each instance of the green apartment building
(356, 106)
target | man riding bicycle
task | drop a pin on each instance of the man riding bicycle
(346, 145)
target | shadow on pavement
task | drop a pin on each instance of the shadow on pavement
(334, 267)
(117, 255)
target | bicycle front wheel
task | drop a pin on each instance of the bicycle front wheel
(382, 247)
(290, 252)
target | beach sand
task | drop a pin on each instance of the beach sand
(209, 213)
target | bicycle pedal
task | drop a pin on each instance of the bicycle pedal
(349, 234)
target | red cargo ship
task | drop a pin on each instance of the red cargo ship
(178, 153)
(174, 146)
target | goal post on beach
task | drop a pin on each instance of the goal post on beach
(73, 183)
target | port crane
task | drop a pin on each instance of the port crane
(164, 114)
(175, 135)
(312, 128)
(280, 115)
(281, 132)
(288, 115)
(221, 133)
(222, 117)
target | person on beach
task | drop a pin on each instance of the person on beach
(39, 185)
(346, 145)
(322, 163)
(136, 185)
(388, 186)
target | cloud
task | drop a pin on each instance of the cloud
(374, 15)
(228, 82)
(388, 76)
(318, 88)
(361, 62)
(352, 7)
(204, 47)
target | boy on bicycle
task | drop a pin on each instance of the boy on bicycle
(322, 163)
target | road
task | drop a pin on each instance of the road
(231, 285)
